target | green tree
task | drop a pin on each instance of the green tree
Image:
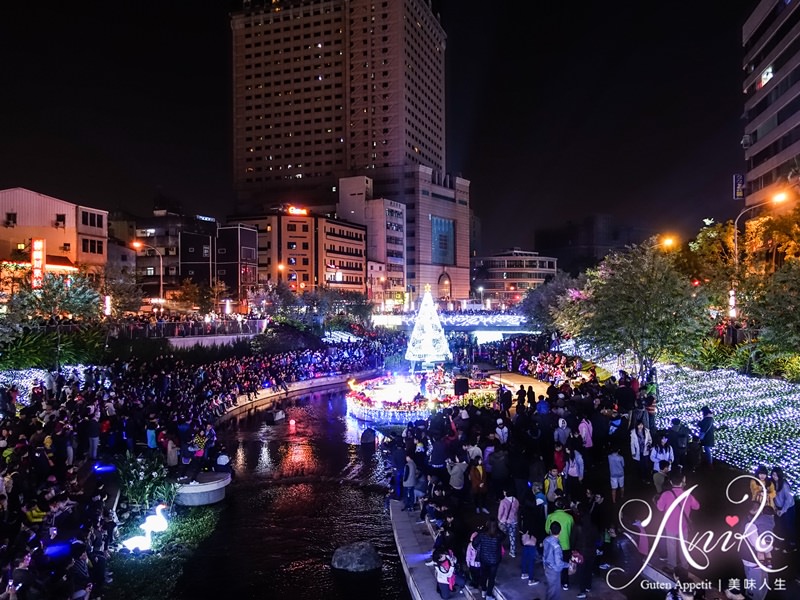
(537, 304)
(776, 308)
(126, 295)
(709, 260)
(60, 296)
(636, 301)
(188, 295)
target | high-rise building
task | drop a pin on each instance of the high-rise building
(771, 97)
(329, 89)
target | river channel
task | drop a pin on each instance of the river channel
(300, 491)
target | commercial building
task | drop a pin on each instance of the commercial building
(504, 278)
(386, 224)
(771, 142)
(172, 247)
(74, 236)
(308, 250)
(331, 89)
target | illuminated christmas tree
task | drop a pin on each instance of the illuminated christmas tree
(428, 343)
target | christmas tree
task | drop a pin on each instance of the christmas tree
(428, 343)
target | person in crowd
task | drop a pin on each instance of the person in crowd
(678, 518)
(616, 469)
(472, 562)
(553, 562)
(679, 438)
(560, 457)
(479, 486)
(661, 451)
(529, 556)
(507, 518)
(762, 482)
(553, 482)
(707, 430)
(784, 509)
(661, 477)
(501, 431)
(566, 522)
(489, 546)
(409, 482)
(641, 444)
(753, 571)
(500, 471)
(574, 470)
(562, 433)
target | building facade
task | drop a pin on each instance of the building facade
(308, 251)
(771, 142)
(73, 235)
(325, 90)
(507, 276)
(236, 268)
(327, 87)
(173, 247)
(386, 225)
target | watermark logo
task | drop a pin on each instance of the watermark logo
(746, 540)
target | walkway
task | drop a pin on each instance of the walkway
(415, 541)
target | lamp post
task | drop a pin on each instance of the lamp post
(140, 245)
(480, 291)
(777, 199)
(282, 267)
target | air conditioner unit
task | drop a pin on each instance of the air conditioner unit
(10, 223)
(746, 141)
(58, 224)
(66, 247)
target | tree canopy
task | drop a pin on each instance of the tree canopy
(635, 301)
(60, 296)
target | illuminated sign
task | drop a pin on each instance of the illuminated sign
(293, 210)
(203, 218)
(37, 263)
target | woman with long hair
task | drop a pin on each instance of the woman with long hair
(489, 548)
(784, 508)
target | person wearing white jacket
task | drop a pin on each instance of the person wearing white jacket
(662, 451)
(641, 444)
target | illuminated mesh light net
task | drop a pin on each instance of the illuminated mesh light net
(428, 343)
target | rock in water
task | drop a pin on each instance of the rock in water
(359, 557)
(368, 437)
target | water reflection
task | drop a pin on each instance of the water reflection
(300, 492)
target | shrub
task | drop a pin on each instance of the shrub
(144, 480)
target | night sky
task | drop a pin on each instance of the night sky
(555, 109)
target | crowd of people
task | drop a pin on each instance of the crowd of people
(546, 480)
(56, 529)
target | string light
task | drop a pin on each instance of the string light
(367, 401)
(760, 417)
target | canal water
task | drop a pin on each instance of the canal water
(301, 491)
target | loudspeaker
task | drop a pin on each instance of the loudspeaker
(461, 386)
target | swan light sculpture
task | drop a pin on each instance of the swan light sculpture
(157, 522)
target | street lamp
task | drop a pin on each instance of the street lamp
(776, 199)
(282, 267)
(480, 291)
(139, 246)
(665, 243)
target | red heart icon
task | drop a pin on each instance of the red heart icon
(731, 521)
